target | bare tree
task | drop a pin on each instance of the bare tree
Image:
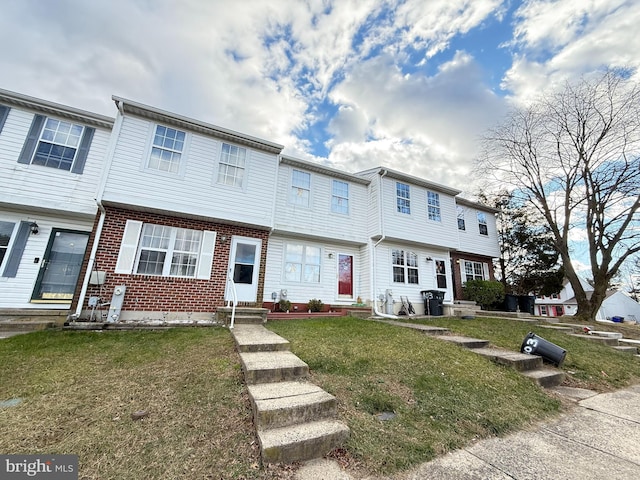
(574, 155)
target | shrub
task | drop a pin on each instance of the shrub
(484, 292)
(315, 305)
(285, 305)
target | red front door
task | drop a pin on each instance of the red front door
(345, 275)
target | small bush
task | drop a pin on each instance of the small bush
(285, 305)
(484, 292)
(315, 305)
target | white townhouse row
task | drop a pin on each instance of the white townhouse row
(165, 210)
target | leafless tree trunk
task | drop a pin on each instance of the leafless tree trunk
(575, 156)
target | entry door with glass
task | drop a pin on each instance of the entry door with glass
(345, 276)
(60, 266)
(244, 268)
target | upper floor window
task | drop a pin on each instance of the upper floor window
(482, 223)
(473, 271)
(167, 148)
(300, 188)
(433, 205)
(405, 266)
(6, 230)
(403, 200)
(554, 296)
(232, 165)
(168, 251)
(58, 144)
(460, 215)
(302, 263)
(340, 197)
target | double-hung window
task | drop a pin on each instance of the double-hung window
(433, 206)
(302, 263)
(167, 149)
(232, 165)
(460, 215)
(340, 197)
(403, 198)
(473, 271)
(300, 188)
(482, 223)
(405, 266)
(58, 144)
(168, 251)
(6, 230)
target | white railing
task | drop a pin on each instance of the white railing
(231, 291)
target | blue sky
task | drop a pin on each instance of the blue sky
(409, 84)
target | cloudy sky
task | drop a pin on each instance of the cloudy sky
(410, 84)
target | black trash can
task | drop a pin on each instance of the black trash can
(526, 303)
(510, 303)
(535, 345)
(433, 300)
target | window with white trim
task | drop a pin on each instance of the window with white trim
(168, 251)
(473, 270)
(460, 215)
(6, 230)
(340, 197)
(482, 223)
(403, 198)
(58, 144)
(300, 188)
(433, 206)
(543, 309)
(167, 149)
(232, 165)
(302, 263)
(405, 266)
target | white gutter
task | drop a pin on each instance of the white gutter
(377, 312)
(115, 133)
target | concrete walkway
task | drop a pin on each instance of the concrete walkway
(598, 439)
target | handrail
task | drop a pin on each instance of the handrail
(234, 294)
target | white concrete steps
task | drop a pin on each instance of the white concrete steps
(289, 403)
(295, 420)
(301, 442)
(267, 367)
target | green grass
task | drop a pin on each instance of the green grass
(444, 396)
(78, 391)
(587, 364)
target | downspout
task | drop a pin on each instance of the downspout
(377, 312)
(115, 133)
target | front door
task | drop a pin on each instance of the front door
(60, 267)
(244, 268)
(345, 276)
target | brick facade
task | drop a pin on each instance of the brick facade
(456, 259)
(151, 293)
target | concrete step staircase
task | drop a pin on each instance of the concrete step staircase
(243, 316)
(14, 321)
(531, 366)
(295, 420)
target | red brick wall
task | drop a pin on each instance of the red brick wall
(166, 294)
(456, 259)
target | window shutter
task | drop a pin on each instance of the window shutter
(4, 113)
(15, 255)
(83, 150)
(32, 139)
(128, 247)
(206, 255)
(485, 270)
(463, 275)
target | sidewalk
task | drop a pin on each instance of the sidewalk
(599, 438)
